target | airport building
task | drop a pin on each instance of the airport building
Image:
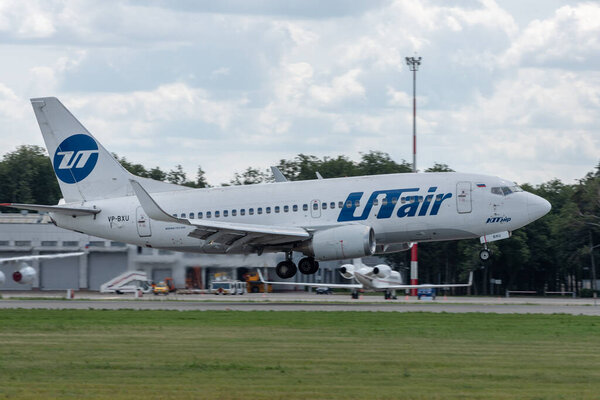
(26, 234)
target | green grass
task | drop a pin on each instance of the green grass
(83, 354)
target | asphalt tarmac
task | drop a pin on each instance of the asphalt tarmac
(301, 301)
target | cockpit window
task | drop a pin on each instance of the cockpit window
(506, 190)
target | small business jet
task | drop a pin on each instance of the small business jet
(26, 274)
(324, 219)
(380, 278)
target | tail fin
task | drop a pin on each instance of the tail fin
(84, 168)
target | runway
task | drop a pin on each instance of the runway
(302, 302)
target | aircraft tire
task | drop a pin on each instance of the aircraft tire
(308, 266)
(484, 255)
(286, 269)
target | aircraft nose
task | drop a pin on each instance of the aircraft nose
(537, 207)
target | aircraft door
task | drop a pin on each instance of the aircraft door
(315, 208)
(143, 223)
(463, 197)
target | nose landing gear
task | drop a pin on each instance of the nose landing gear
(485, 254)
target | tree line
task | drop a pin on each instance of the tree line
(553, 253)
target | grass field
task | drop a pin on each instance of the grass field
(296, 355)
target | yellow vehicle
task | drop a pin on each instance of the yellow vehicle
(254, 285)
(160, 288)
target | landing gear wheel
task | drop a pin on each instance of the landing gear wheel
(286, 269)
(484, 255)
(387, 295)
(308, 266)
(355, 294)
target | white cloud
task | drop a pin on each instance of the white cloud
(573, 33)
(230, 88)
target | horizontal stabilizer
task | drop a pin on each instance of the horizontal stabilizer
(74, 211)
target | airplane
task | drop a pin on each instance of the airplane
(26, 274)
(324, 219)
(380, 278)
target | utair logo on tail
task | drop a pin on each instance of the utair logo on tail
(410, 204)
(75, 158)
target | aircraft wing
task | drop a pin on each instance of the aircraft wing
(429, 286)
(230, 234)
(75, 211)
(329, 285)
(41, 256)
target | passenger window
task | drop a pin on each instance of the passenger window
(208, 214)
(286, 208)
(340, 204)
(217, 213)
(251, 211)
(233, 213)
(192, 215)
(349, 204)
(315, 206)
(175, 215)
(323, 206)
(295, 208)
(332, 205)
(376, 202)
(225, 213)
(199, 214)
(182, 215)
(243, 211)
(259, 210)
(384, 201)
(276, 209)
(357, 203)
(394, 200)
(305, 207)
(268, 210)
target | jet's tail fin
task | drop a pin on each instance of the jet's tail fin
(84, 168)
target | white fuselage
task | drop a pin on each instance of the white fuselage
(399, 207)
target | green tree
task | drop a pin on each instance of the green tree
(26, 176)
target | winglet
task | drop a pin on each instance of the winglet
(150, 206)
(260, 276)
(279, 177)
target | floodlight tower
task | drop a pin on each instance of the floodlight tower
(414, 63)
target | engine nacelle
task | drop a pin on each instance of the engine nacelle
(347, 271)
(348, 241)
(382, 271)
(2, 278)
(24, 276)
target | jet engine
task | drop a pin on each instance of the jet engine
(342, 242)
(382, 270)
(25, 275)
(347, 271)
(2, 278)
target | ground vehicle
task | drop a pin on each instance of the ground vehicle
(170, 284)
(254, 284)
(161, 288)
(127, 282)
(323, 290)
(227, 287)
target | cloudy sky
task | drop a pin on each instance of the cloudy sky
(507, 88)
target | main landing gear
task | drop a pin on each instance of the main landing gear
(287, 269)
